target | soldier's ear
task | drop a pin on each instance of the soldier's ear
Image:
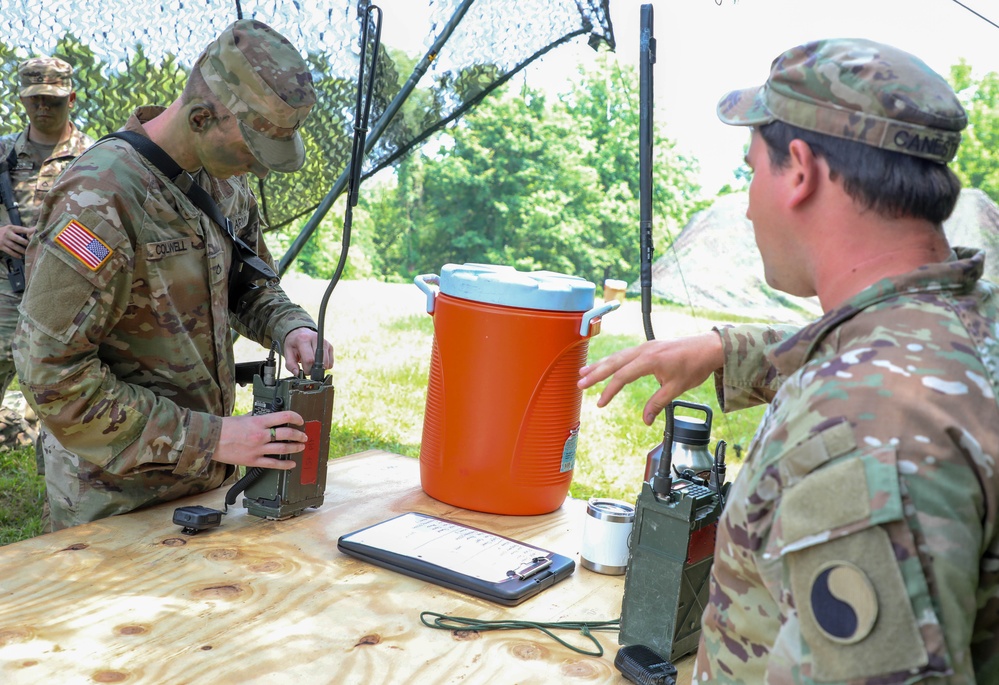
(803, 173)
(200, 117)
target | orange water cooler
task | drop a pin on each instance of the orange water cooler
(502, 414)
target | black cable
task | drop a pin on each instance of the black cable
(980, 16)
(252, 475)
(362, 112)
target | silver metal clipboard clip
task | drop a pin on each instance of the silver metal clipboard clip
(532, 567)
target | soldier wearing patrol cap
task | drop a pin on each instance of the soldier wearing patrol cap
(35, 158)
(859, 543)
(124, 346)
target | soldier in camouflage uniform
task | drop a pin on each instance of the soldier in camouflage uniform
(124, 345)
(40, 153)
(859, 542)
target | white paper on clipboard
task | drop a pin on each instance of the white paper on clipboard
(477, 553)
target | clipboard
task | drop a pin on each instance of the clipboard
(458, 557)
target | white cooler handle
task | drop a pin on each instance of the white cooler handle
(426, 283)
(596, 312)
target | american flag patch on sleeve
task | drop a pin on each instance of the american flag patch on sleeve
(80, 242)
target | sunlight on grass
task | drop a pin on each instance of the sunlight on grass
(614, 442)
(22, 493)
(381, 387)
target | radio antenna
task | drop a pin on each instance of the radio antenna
(646, 58)
(362, 111)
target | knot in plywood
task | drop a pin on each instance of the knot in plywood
(528, 651)
(131, 630)
(224, 554)
(229, 591)
(581, 670)
(9, 635)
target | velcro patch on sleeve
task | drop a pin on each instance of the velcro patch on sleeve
(854, 609)
(81, 242)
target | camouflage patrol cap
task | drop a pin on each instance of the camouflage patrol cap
(45, 76)
(858, 90)
(262, 79)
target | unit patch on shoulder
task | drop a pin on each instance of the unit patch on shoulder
(843, 602)
(80, 242)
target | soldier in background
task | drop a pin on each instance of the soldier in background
(124, 344)
(35, 158)
(859, 543)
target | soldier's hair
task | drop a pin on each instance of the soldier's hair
(892, 184)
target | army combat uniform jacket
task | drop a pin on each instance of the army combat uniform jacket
(859, 543)
(124, 346)
(30, 183)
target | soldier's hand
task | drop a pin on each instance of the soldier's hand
(300, 349)
(678, 364)
(14, 239)
(248, 440)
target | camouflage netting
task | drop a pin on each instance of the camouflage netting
(129, 53)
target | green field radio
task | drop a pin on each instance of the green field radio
(671, 550)
(275, 494)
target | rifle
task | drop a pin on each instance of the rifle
(15, 266)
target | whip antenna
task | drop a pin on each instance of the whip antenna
(647, 57)
(362, 111)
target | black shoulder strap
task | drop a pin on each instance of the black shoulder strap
(159, 158)
(7, 186)
(162, 160)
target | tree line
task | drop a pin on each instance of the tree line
(551, 182)
(526, 178)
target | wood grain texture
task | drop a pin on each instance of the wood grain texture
(131, 600)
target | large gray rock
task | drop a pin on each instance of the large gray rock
(714, 264)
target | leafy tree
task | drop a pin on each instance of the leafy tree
(605, 101)
(534, 184)
(12, 116)
(513, 189)
(977, 161)
(393, 209)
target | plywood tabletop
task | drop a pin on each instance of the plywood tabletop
(131, 600)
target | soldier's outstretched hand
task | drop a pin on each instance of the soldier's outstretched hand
(678, 364)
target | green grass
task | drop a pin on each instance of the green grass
(614, 442)
(381, 384)
(22, 493)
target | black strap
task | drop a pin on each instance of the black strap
(180, 178)
(7, 187)
(162, 160)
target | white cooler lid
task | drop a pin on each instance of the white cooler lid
(504, 285)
